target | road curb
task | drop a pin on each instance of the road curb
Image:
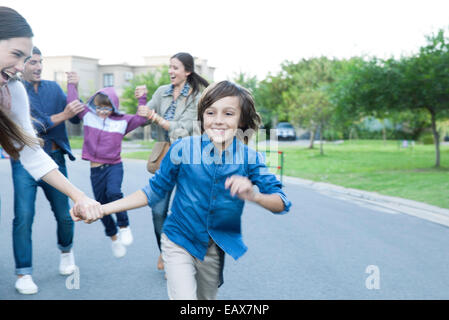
(415, 208)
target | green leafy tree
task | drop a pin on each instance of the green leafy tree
(307, 99)
(267, 96)
(152, 80)
(410, 84)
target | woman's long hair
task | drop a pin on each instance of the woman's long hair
(12, 137)
(193, 79)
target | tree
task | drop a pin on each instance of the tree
(307, 96)
(409, 84)
(152, 79)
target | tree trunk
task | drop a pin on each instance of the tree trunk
(312, 137)
(436, 138)
(321, 140)
(384, 132)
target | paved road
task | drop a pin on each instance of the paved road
(321, 250)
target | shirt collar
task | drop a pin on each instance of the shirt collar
(184, 91)
(29, 85)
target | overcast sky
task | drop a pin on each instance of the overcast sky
(254, 36)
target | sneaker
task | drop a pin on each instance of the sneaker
(118, 249)
(126, 237)
(25, 285)
(67, 263)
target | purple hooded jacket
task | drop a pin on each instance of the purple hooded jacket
(103, 137)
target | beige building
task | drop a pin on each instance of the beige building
(94, 76)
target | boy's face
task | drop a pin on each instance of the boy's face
(221, 120)
(103, 111)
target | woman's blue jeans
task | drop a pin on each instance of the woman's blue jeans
(25, 188)
(159, 212)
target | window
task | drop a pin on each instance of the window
(128, 76)
(108, 80)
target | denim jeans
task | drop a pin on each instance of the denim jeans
(107, 186)
(25, 188)
(159, 212)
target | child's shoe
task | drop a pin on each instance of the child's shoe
(126, 236)
(67, 263)
(118, 249)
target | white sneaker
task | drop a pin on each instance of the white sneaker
(67, 263)
(25, 285)
(118, 249)
(126, 237)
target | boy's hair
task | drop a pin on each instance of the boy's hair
(249, 118)
(102, 100)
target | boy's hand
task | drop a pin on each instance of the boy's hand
(140, 91)
(73, 78)
(242, 187)
(88, 215)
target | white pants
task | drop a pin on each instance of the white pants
(189, 278)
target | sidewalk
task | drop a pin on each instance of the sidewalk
(418, 209)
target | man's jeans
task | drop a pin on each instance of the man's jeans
(25, 188)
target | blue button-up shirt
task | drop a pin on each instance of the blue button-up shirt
(202, 208)
(47, 101)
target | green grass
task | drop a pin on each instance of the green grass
(368, 165)
(76, 142)
(141, 155)
(372, 166)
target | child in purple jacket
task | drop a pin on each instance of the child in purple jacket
(104, 128)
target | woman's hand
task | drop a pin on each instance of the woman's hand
(144, 111)
(242, 187)
(86, 209)
(161, 121)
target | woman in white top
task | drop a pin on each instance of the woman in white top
(17, 135)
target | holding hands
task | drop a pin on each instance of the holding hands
(73, 108)
(140, 91)
(87, 210)
(73, 78)
(144, 111)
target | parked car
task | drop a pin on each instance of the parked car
(285, 131)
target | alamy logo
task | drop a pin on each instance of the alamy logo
(373, 280)
(73, 281)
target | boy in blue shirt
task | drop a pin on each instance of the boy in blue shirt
(214, 175)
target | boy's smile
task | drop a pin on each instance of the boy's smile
(221, 121)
